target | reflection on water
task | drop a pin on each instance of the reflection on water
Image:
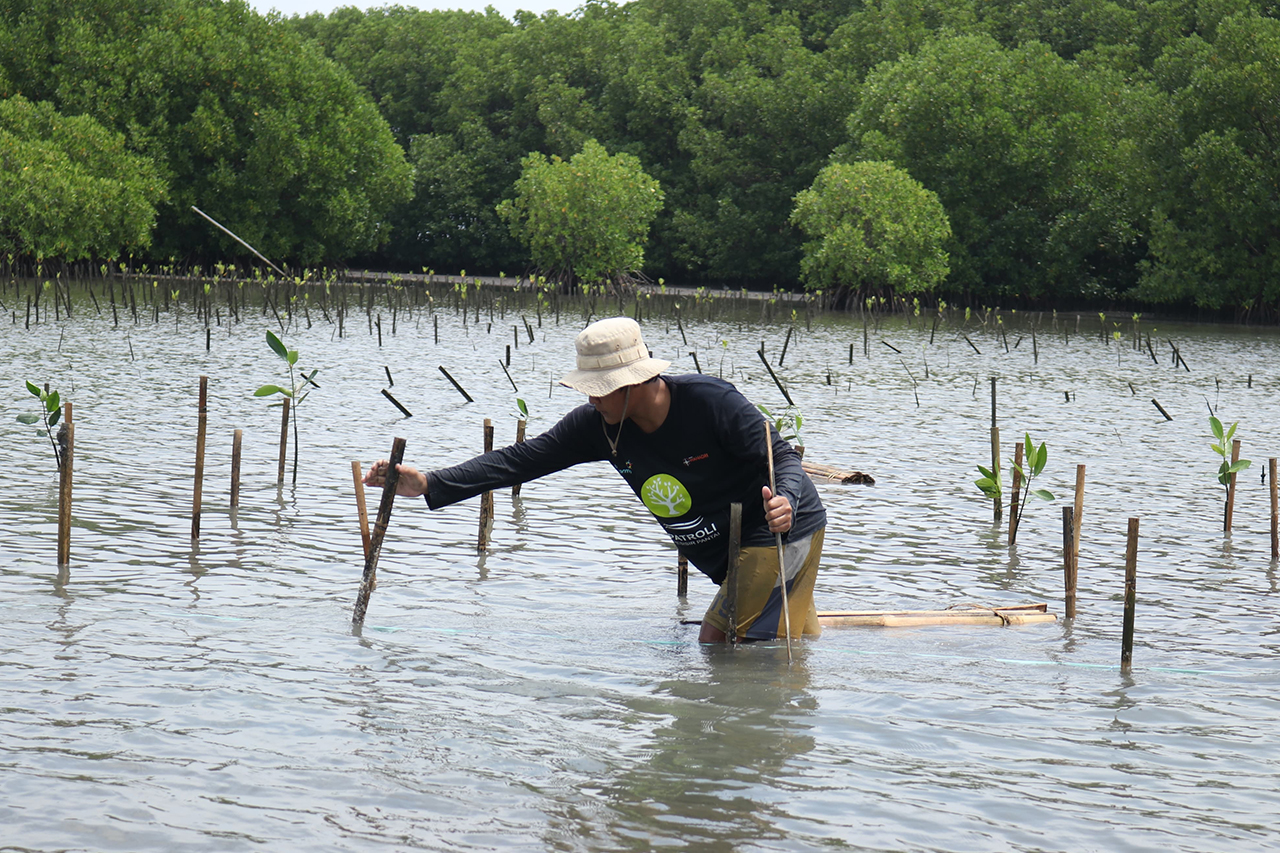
(161, 694)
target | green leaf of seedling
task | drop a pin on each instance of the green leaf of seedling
(53, 417)
(1216, 426)
(35, 391)
(1043, 494)
(1230, 432)
(523, 407)
(53, 402)
(291, 356)
(1042, 456)
(1218, 449)
(1224, 473)
(1239, 466)
(28, 419)
(277, 346)
(268, 390)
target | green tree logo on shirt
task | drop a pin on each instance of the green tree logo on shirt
(665, 496)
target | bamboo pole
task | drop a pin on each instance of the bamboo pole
(201, 429)
(1078, 514)
(1023, 614)
(777, 537)
(64, 490)
(1014, 493)
(284, 440)
(486, 498)
(1231, 488)
(1130, 595)
(995, 445)
(370, 579)
(731, 572)
(520, 426)
(1275, 511)
(1068, 562)
(236, 443)
(682, 576)
(362, 510)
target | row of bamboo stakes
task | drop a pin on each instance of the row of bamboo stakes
(1072, 515)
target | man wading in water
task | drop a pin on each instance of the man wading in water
(688, 446)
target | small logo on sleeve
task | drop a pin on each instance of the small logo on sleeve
(689, 460)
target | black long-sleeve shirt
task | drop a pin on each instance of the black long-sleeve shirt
(708, 453)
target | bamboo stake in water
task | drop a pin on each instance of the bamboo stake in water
(1068, 562)
(361, 509)
(236, 443)
(731, 573)
(1231, 488)
(782, 566)
(202, 425)
(520, 426)
(370, 579)
(1078, 514)
(486, 498)
(995, 446)
(64, 490)
(1275, 511)
(1130, 595)
(682, 576)
(284, 441)
(1013, 497)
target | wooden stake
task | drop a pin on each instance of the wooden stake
(1130, 595)
(995, 447)
(461, 390)
(202, 425)
(682, 576)
(1078, 514)
(731, 574)
(284, 440)
(486, 498)
(1275, 511)
(1013, 495)
(370, 579)
(64, 490)
(362, 511)
(777, 537)
(1068, 562)
(1167, 416)
(520, 425)
(1231, 488)
(235, 468)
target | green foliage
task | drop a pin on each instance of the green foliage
(873, 227)
(48, 416)
(68, 187)
(989, 483)
(787, 422)
(1222, 447)
(1013, 142)
(586, 218)
(1215, 230)
(242, 118)
(298, 389)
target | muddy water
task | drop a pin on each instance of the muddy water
(165, 695)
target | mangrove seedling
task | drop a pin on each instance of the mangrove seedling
(1033, 462)
(296, 392)
(50, 412)
(787, 422)
(1222, 447)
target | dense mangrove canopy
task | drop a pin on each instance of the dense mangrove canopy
(1081, 150)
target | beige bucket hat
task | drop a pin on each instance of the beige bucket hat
(611, 355)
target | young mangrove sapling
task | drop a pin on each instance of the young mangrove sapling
(50, 412)
(296, 392)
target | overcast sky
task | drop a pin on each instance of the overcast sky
(506, 8)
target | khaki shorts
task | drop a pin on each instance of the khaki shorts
(760, 596)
